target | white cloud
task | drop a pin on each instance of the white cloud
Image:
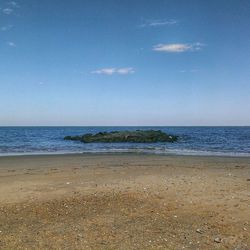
(11, 44)
(106, 71)
(178, 47)
(112, 71)
(125, 71)
(7, 11)
(158, 22)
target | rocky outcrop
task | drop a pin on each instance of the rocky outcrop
(137, 136)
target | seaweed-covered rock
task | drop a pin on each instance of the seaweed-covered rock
(138, 136)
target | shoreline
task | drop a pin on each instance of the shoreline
(219, 155)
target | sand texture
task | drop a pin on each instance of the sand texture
(124, 201)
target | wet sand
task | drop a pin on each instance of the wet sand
(124, 201)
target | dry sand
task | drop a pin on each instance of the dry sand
(124, 201)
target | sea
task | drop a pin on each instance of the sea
(206, 141)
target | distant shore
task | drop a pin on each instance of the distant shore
(124, 201)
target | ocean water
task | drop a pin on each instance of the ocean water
(224, 141)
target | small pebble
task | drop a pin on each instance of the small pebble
(200, 231)
(217, 240)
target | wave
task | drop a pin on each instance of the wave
(157, 151)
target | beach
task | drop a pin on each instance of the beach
(124, 201)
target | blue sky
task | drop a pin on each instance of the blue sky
(124, 62)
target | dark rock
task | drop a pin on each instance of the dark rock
(138, 136)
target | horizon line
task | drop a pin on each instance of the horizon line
(2, 126)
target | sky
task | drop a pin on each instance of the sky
(125, 62)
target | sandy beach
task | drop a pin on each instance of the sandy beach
(124, 201)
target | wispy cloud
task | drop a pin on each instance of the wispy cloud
(106, 71)
(158, 23)
(112, 71)
(9, 7)
(178, 47)
(11, 44)
(7, 11)
(6, 27)
(125, 71)
(14, 4)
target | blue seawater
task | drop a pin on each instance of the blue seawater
(228, 141)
